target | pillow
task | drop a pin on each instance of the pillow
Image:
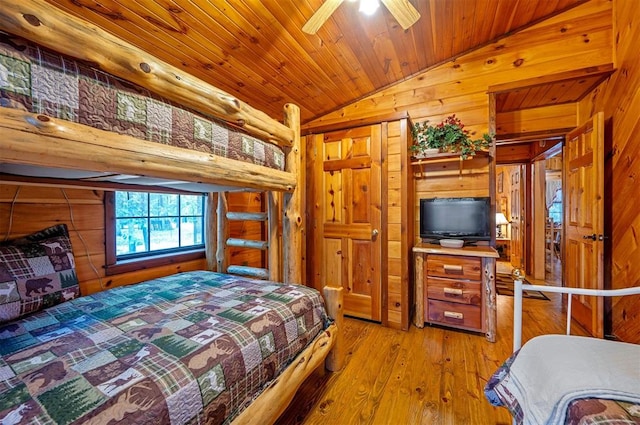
(36, 271)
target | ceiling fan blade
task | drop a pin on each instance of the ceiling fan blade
(403, 11)
(320, 17)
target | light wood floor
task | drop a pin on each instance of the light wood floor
(423, 376)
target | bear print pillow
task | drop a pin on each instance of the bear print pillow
(36, 271)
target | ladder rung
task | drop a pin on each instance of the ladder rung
(249, 271)
(247, 216)
(247, 243)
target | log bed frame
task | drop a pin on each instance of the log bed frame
(39, 140)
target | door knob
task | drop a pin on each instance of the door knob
(592, 237)
(374, 234)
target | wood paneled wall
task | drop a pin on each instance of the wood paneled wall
(38, 207)
(619, 98)
(399, 226)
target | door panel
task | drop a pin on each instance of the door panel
(347, 182)
(517, 217)
(584, 216)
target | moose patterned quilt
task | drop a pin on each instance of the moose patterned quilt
(193, 347)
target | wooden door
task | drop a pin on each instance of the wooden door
(347, 187)
(583, 171)
(517, 217)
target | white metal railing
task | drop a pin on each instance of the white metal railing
(519, 286)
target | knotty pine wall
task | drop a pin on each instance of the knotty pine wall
(619, 98)
(38, 207)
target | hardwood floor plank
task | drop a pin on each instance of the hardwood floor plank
(425, 376)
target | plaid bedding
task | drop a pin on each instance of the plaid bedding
(188, 348)
(40, 81)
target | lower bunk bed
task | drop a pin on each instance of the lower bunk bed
(568, 379)
(194, 347)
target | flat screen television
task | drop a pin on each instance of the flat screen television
(456, 218)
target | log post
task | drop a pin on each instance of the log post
(40, 140)
(333, 299)
(293, 220)
(223, 233)
(275, 254)
(211, 230)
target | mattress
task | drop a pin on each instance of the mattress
(41, 81)
(193, 347)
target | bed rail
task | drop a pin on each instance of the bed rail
(519, 287)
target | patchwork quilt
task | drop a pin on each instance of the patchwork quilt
(188, 348)
(40, 81)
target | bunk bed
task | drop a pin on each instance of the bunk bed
(568, 379)
(100, 346)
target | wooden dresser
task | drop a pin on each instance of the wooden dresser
(455, 287)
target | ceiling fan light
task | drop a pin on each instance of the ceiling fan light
(369, 7)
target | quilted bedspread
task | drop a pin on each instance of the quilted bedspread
(188, 348)
(38, 80)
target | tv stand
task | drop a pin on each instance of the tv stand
(455, 287)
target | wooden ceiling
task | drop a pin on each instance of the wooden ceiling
(257, 51)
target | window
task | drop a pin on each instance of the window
(143, 225)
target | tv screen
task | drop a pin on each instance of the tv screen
(455, 218)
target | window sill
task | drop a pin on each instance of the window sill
(152, 261)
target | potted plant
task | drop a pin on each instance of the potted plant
(447, 136)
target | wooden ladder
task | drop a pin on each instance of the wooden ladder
(272, 245)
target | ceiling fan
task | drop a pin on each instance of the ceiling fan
(402, 10)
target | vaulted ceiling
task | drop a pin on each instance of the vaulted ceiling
(257, 51)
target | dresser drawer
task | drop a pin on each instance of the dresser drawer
(455, 267)
(454, 314)
(457, 291)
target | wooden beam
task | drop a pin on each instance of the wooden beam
(293, 220)
(349, 124)
(211, 230)
(254, 272)
(49, 26)
(274, 201)
(247, 243)
(223, 234)
(36, 139)
(603, 70)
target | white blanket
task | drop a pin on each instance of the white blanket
(552, 370)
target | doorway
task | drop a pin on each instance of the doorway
(553, 211)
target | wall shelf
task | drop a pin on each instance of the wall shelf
(446, 157)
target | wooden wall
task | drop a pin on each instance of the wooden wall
(619, 98)
(399, 213)
(37, 207)
(577, 39)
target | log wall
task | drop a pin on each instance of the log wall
(619, 98)
(37, 207)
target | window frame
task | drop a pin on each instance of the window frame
(114, 266)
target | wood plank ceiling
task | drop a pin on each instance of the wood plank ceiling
(257, 51)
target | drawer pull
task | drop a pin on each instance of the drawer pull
(452, 268)
(453, 315)
(453, 292)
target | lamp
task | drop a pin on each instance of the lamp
(501, 220)
(368, 7)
